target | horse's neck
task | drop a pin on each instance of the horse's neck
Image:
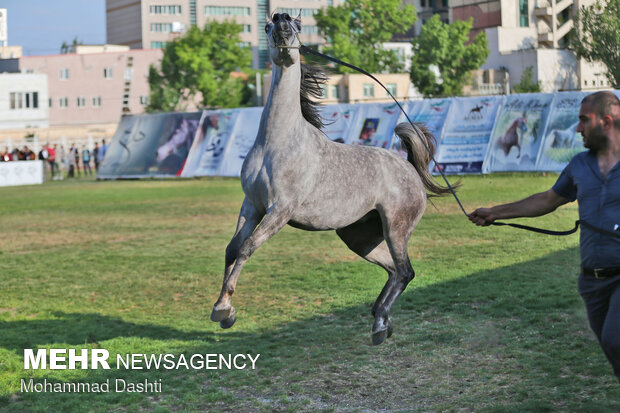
(283, 108)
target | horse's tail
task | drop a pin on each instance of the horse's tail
(419, 155)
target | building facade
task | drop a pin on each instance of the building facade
(96, 84)
(150, 24)
(23, 101)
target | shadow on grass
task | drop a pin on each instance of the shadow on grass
(512, 339)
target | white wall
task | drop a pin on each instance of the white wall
(24, 117)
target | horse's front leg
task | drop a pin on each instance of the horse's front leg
(273, 222)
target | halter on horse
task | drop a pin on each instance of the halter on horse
(295, 175)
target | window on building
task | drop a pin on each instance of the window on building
(49, 102)
(524, 19)
(369, 90)
(161, 27)
(158, 45)
(171, 9)
(423, 3)
(81, 101)
(392, 88)
(246, 28)
(64, 74)
(107, 72)
(63, 102)
(226, 11)
(97, 101)
(309, 30)
(294, 12)
(144, 99)
(24, 100)
(335, 92)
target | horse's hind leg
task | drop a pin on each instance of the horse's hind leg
(273, 222)
(397, 238)
(365, 238)
(249, 218)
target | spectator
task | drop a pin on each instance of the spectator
(102, 151)
(86, 161)
(6, 156)
(76, 154)
(52, 160)
(28, 155)
(96, 156)
(71, 161)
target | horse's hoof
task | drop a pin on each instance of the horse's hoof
(220, 314)
(228, 322)
(379, 337)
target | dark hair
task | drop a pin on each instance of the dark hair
(312, 80)
(602, 103)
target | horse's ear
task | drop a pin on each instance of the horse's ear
(298, 21)
(267, 19)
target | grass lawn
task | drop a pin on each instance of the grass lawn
(492, 321)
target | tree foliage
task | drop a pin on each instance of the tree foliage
(199, 66)
(444, 46)
(527, 84)
(356, 30)
(597, 36)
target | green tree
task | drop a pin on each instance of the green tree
(356, 30)
(199, 66)
(443, 48)
(527, 84)
(596, 36)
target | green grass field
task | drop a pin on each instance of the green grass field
(492, 321)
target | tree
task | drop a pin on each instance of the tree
(65, 48)
(442, 60)
(596, 36)
(527, 84)
(357, 29)
(199, 66)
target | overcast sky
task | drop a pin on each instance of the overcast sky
(40, 26)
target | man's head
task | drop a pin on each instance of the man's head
(599, 117)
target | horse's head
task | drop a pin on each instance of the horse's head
(282, 34)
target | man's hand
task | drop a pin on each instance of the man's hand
(482, 217)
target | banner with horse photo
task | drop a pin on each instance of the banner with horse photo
(517, 135)
(561, 140)
(431, 113)
(146, 146)
(207, 151)
(469, 124)
(374, 124)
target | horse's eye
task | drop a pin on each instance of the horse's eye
(287, 17)
(276, 17)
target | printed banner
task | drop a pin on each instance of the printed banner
(207, 151)
(21, 173)
(150, 146)
(339, 120)
(431, 113)
(469, 124)
(561, 140)
(374, 124)
(241, 141)
(517, 135)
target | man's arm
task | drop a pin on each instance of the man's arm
(533, 206)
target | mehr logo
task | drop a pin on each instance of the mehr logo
(60, 360)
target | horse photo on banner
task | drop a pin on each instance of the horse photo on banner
(150, 146)
(466, 136)
(517, 136)
(561, 140)
(208, 148)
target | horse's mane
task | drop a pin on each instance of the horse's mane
(312, 80)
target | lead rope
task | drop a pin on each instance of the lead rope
(303, 49)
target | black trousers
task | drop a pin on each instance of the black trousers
(602, 300)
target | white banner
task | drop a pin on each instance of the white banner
(241, 141)
(21, 173)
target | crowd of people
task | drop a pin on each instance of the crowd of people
(62, 163)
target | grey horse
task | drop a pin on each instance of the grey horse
(295, 175)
